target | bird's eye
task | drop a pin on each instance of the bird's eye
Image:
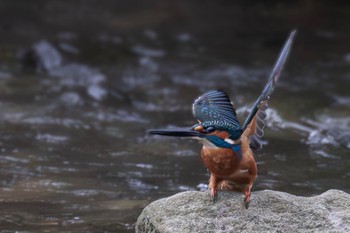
(210, 129)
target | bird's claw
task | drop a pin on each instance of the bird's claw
(246, 204)
(247, 198)
(213, 195)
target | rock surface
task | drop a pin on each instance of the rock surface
(269, 211)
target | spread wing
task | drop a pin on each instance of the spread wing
(253, 126)
(255, 130)
(214, 109)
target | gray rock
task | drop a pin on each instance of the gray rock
(97, 92)
(77, 75)
(41, 57)
(269, 211)
(47, 55)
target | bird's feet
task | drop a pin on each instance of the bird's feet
(247, 197)
(213, 194)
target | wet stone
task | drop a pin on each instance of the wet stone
(42, 57)
(48, 56)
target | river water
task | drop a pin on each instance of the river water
(80, 83)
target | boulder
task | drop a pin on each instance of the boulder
(269, 211)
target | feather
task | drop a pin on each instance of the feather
(257, 115)
(214, 108)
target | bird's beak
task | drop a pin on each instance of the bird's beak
(177, 132)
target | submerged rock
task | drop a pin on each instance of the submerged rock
(48, 56)
(78, 75)
(42, 57)
(269, 211)
(45, 58)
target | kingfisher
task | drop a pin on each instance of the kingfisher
(228, 147)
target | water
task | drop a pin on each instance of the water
(74, 153)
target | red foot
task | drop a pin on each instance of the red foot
(213, 194)
(247, 198)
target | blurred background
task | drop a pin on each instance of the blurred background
(82, 81)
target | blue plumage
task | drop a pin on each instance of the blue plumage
(214, 109)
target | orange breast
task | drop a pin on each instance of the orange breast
(220, 161)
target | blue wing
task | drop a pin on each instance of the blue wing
(257, 114)
(214, 109)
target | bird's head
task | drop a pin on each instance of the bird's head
(217, 122)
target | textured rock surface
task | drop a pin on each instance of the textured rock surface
(269, 211)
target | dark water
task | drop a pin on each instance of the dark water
(74, 154)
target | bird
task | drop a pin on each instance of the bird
(228, 147)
